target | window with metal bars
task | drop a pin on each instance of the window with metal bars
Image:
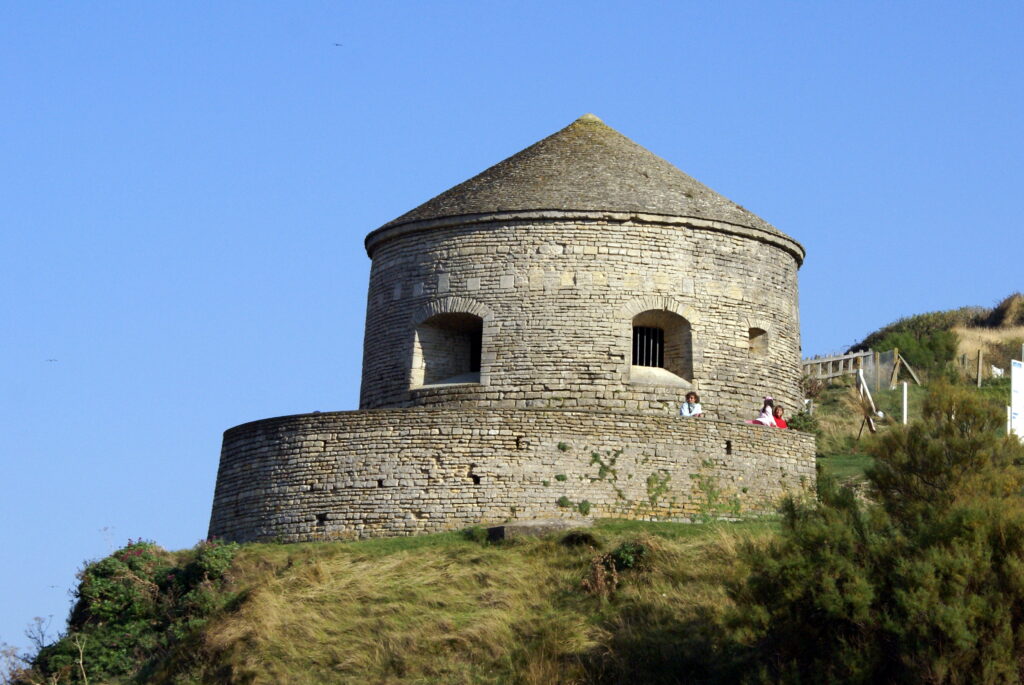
(648, 346)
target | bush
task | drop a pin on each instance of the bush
(629, 554)
(812, 387)
(138, 603)
(927, 585)
(927, 350)
(926, 341)
(807, 423)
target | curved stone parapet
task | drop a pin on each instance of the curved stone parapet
(357, 474)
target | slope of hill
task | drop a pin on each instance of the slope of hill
(621, 602)
(929, 341)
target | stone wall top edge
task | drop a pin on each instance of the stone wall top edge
(781, 240)
(280, 421)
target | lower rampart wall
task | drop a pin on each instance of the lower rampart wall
(378, 473)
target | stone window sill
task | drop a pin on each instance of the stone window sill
(455, 381)
(653, 375)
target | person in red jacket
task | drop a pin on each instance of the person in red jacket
(779, 421)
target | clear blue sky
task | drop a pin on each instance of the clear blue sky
(184, 190)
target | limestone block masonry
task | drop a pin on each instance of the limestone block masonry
(530, 335)
(345, 475)
(557, 295)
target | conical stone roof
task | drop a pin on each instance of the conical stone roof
(587, 166)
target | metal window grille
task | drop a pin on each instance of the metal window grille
(648, 346)
(475, 346)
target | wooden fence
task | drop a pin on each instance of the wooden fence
(836, 365)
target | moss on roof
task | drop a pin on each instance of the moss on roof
(587, 166)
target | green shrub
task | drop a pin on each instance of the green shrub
(927, 585)
(807, 423)
(139, 602)
(561, 477)
(629, 554)
(583, 507)
(926, 341)
(564, 501)
(921, 325)
(929, 350)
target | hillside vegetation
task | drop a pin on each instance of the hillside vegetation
(622, 600)
(930, 341)
(908, 567)
(934, 344)
(921, 580)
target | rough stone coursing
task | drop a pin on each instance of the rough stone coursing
(395, 472)
(545, 259)
(557, 299)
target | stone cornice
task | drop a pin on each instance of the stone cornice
(386, 233)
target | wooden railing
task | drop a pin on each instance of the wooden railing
(836, 365)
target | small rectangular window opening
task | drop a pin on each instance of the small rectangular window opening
(648, 346)
(728, 446)
(758, 342)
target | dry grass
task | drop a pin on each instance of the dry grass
(455, 611)
(971, 339)
(999, 346)
(840, 414)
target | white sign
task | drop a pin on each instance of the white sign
(1017, 398)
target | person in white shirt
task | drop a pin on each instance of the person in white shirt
(767, 415)
(691, 407)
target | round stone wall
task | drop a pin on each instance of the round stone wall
(392, 472)
(555, 296)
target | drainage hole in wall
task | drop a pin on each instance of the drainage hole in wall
(728, 446)
(476, 478)
(380, 482)
(321, 519)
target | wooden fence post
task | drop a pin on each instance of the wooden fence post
(877, 360)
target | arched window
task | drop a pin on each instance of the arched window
(447, 350)
(758, 342)
(662, 348)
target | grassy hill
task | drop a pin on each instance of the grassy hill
(933, 343)
(842, 446)
(929, 341)
(621, 602)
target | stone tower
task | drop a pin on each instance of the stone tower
(523, 286)
(530, 335)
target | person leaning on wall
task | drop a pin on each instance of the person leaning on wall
(767, 415)
(777, 414)
(691, 407)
